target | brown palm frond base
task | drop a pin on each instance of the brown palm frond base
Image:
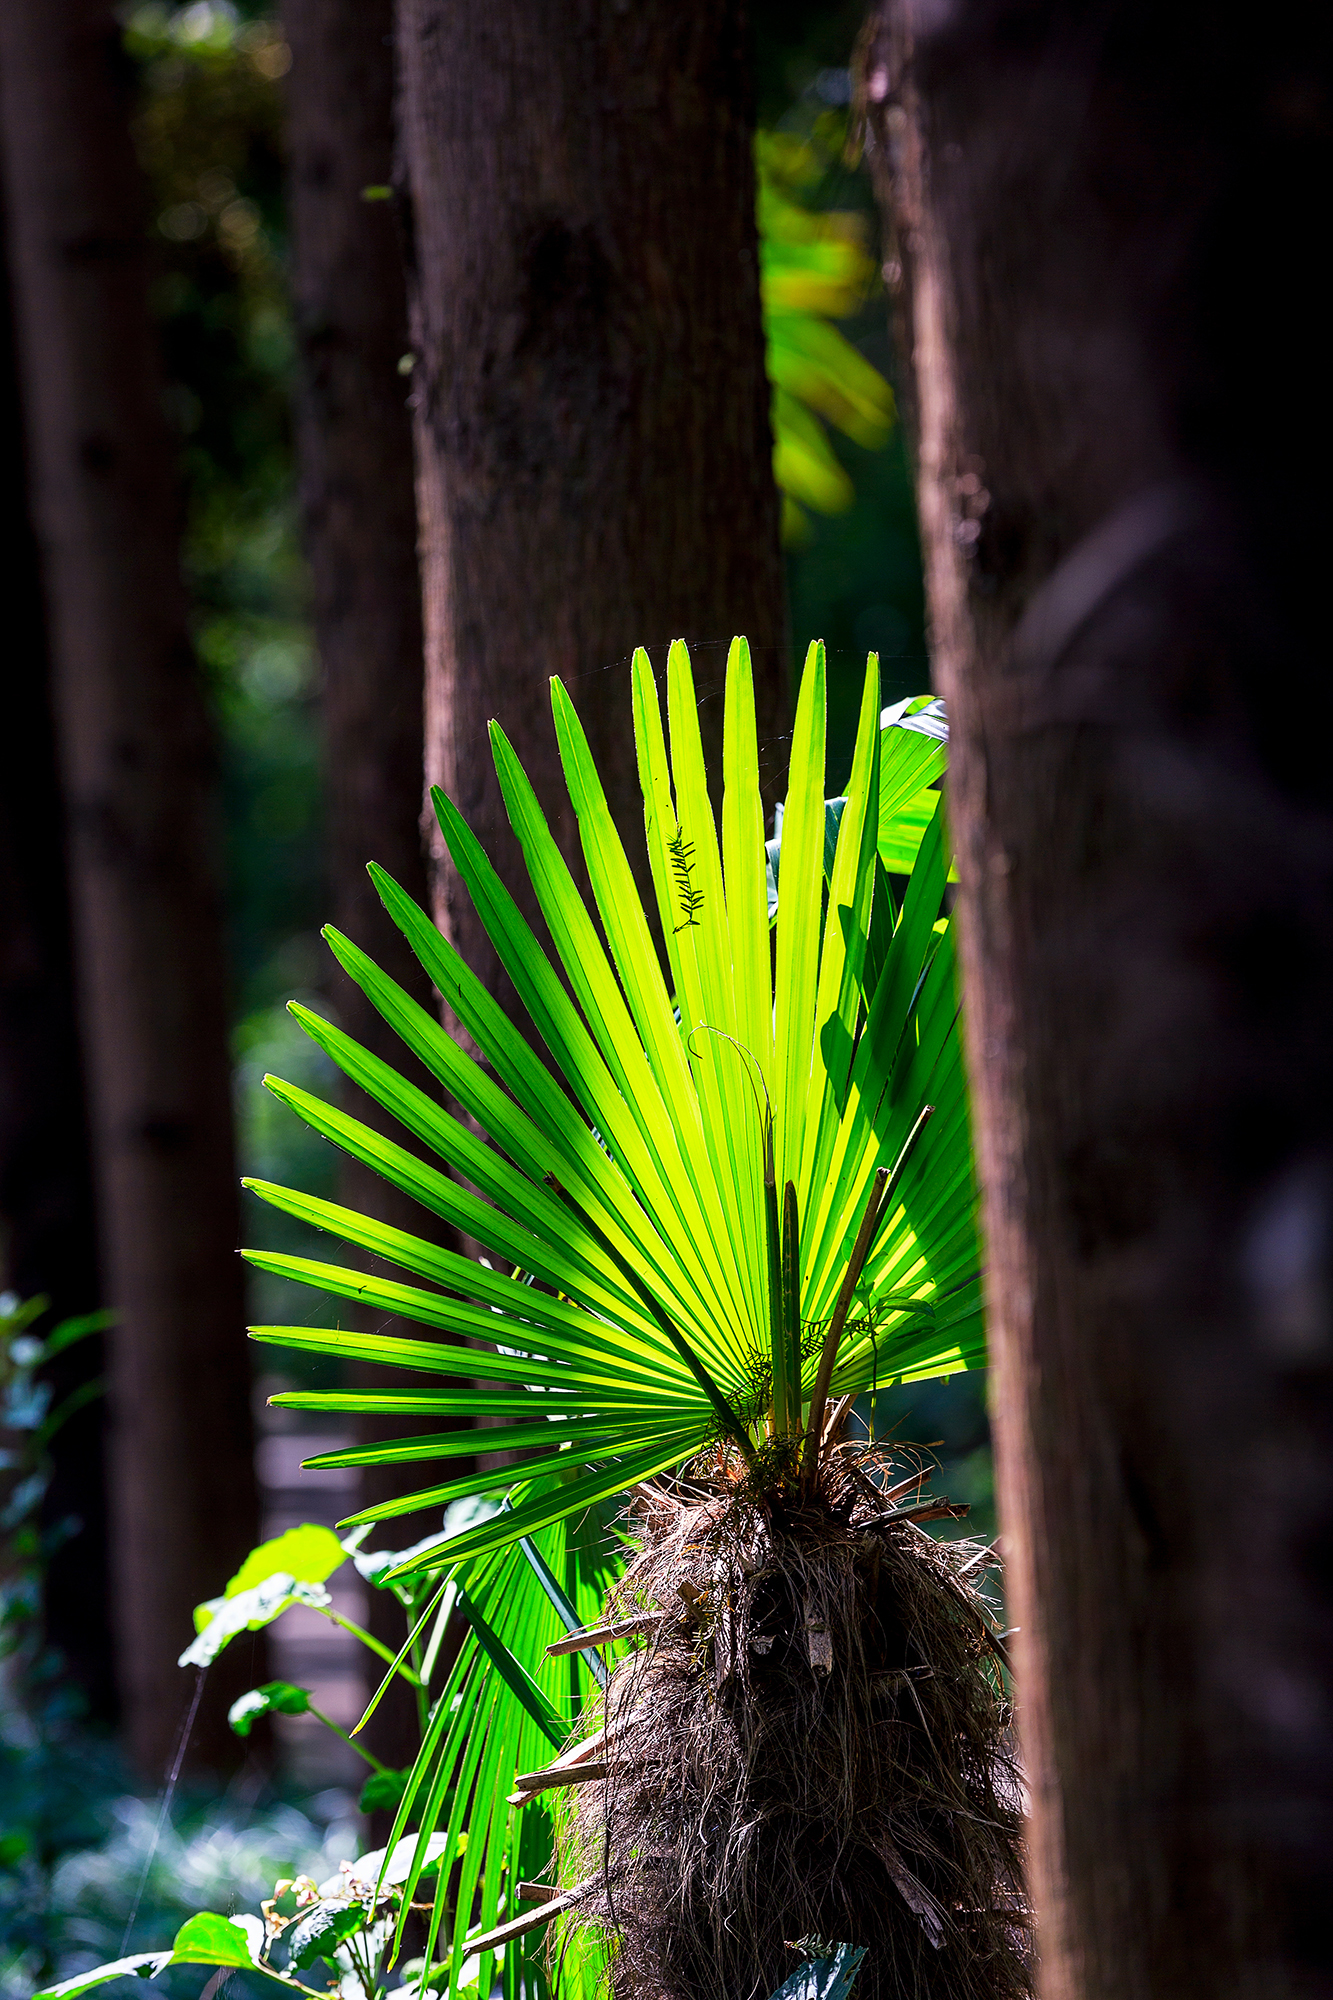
(813, 1744)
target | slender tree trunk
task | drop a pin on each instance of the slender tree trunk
(354, 439)
(593, 454)
(137, 771)
(1104, 218)
(48, 1240)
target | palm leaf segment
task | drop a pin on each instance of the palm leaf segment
(677, 1202)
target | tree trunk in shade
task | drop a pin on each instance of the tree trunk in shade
(48, 1236)
(593, 452)
(1105, 219)
(137, 770)
(354, 441)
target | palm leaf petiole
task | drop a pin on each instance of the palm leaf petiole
(791, 1306)
(781, 1390)
(562, 1607)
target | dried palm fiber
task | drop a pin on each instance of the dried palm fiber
(814, 1743)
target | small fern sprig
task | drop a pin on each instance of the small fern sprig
(692, 899)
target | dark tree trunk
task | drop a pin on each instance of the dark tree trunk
(354, 439)
(1106, 218)
(593, 453)
(48, 1239)
(137, 773)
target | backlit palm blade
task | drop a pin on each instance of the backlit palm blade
(743, 862)
(866, 1135)
(532, 1151)
(851, 889)
(650, 1015)
(533, 1511)
(681, 1191)
(536, 1205)
(798, 927)
(915, 740)
(431, 1358)
(568, 1454)
(502, 1184)
(675, 1271)
(727, 1071)
(598, 1349)
(524, 1222)
(588, 1171)
(926, 1242)
(434, 1190)
(569, 1435)
(532, 1404)
(465, 1275)
(683, 857)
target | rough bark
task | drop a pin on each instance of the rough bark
(1103, 218)
(354, 443)
(137, 773)
(48, 1239)
(593, 454)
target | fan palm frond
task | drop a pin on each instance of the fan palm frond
(743, 1184)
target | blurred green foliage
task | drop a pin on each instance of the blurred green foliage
(88, 1871)
(815, 267)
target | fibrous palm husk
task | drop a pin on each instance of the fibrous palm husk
(813, 1744)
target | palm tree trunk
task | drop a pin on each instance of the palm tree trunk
(137, 772)
(1126, 584)
(593, 453)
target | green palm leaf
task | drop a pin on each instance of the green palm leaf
(652, 1300)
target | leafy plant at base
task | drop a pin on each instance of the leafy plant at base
(490, 1717)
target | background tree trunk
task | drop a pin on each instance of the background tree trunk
(1104, 219)
(48, 1239)
(137, 770)
(354, 440)
(591, 410)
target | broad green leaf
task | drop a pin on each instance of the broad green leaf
(212, 1940)
(309, 1553)
(273, 1698)
(140, 1965)
(383, 1791)
(323, 1929)
(224, 1618)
